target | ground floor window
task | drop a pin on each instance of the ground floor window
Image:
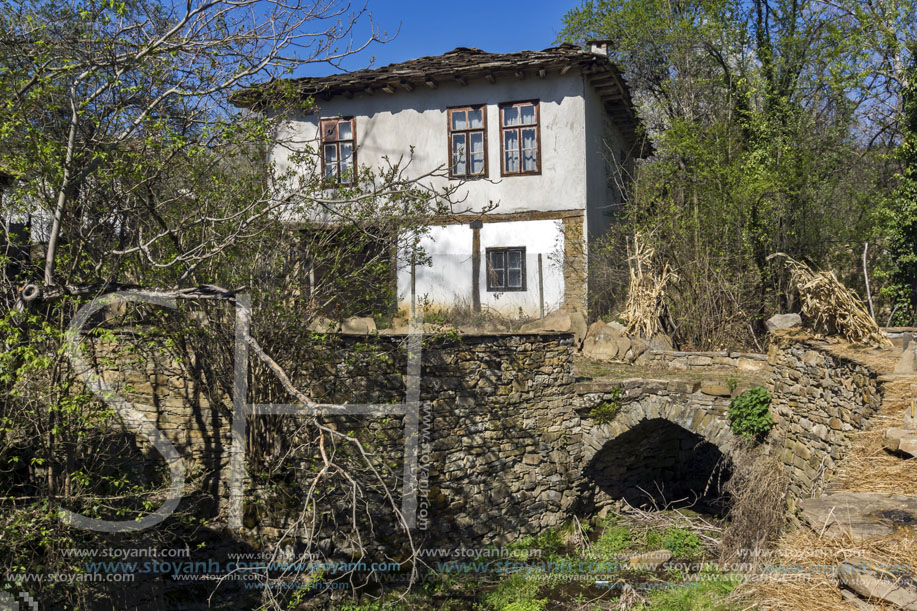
(506, 269)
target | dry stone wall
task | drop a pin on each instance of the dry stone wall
(508, 445)
(820, 399)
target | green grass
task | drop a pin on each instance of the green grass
(516, 593)
(707, 595)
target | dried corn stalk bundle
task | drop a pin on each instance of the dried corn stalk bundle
(645, 306)
(832, 306)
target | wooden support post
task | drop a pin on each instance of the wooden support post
(413, 286)
(476, 265)
(540, 286)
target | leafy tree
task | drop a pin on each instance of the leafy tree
(762, 119)
(901, 213)
(134, 169)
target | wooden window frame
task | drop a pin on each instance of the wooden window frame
(505, 289)
(518, 129)
(329, 135)
(483, 129)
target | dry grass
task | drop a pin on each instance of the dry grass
(867, 467)
(644, 307)
(809, 561)
(758, 488)
(833, 307)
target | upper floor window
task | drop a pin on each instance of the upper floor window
(519, 138)
(338, 143)
(467, 150)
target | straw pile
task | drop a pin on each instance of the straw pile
(832, 307)
(645, 296)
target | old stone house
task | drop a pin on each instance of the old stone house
(543, 137)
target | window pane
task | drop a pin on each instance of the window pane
(458, 153)
(510, 116)
(511, 140)
(512, 161)
(529, 151)
(475, 118)
(345, 131)
(511, 151)
(328, 130)
(458, 119)
(477, 163)
(515, 259)
(514, 278)
(528, 114)
(477, 142)
(331, 157)
(346, 161)
(477, 153)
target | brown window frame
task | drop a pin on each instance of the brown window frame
(468, 131)
(329, 130)
(491, 275)
(518, 129)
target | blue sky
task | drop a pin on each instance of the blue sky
(434, 27)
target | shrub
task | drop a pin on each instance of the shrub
(682, 543)
(604, 412)
(748, 413)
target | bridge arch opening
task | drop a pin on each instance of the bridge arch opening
(658, 464)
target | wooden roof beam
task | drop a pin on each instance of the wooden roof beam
(430, 83)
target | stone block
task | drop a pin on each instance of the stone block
(783, 321)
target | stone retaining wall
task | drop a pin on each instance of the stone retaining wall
(820, 399)
(507, 441)
(700, 361)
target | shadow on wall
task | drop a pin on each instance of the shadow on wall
(659, 464)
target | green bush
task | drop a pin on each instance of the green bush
(682, 543)
(604, 412)
(748, 413)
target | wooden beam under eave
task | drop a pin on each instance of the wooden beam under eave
(369, 91)
(542, 73)
(388, 89)
(520, 75)
(490, 78)
(407, 86)
(348, 94)
(565, 69)
(431, 83)
(460, 80)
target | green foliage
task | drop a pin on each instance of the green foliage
(605, 411)
(757, 148)
(901, 214)
(703, 595)
(682, 543)
(516, 593)
(749, 414)
(613, 540)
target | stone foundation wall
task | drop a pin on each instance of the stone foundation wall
(500, 441)
(819, 400)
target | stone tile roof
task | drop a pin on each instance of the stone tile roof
(457, 66)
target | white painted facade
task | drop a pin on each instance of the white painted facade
(448, 281)
(576, 135)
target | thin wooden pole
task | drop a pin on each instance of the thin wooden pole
(540, 286)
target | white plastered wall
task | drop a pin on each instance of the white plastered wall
(447, 282)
